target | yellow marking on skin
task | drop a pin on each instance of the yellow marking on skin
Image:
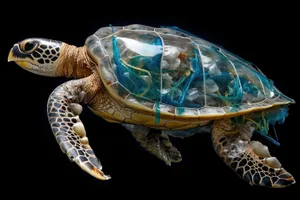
(23, 64)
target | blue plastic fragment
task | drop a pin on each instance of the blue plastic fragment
(180, 110)
(117, 61)
(269, 138)
(264, 119)
(112, 28)
(157, 112)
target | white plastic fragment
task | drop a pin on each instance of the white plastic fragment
(211, 86)
(167, 80)
(192, 94)
(171, 53)
(213, 70)
(170, 58)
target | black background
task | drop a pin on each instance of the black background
(266, 35)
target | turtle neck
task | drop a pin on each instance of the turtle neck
(74, 62)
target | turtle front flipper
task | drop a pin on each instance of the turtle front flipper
(63, 114)
(155, 142)
(251, 160)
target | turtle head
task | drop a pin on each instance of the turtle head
(39, 56)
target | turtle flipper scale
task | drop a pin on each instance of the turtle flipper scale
(156, 143)
(251, 160)
(63, 114)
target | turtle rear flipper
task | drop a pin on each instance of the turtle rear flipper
(251, 160)
(155, 142)
(63, 114)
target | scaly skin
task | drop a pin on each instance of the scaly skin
(155, 142)
(63, 114)
(250, 160)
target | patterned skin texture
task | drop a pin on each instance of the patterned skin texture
(155, 142)
(46, 53)
(249, 159)
(63, 114)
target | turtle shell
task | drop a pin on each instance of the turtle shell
(174, 73)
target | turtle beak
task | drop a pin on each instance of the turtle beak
(11, 56)
(17, 56)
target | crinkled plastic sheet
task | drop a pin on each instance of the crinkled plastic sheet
(183, 73)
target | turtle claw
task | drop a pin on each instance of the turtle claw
(169, 155)
(284, 179)
(94, 171)
(174, 155)
(160, 146)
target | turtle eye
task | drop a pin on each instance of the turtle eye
(28, 46)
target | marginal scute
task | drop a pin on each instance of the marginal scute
(190, 112)
(211, 110)
(167, 108)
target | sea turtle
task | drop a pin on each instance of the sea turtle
(160, 82)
